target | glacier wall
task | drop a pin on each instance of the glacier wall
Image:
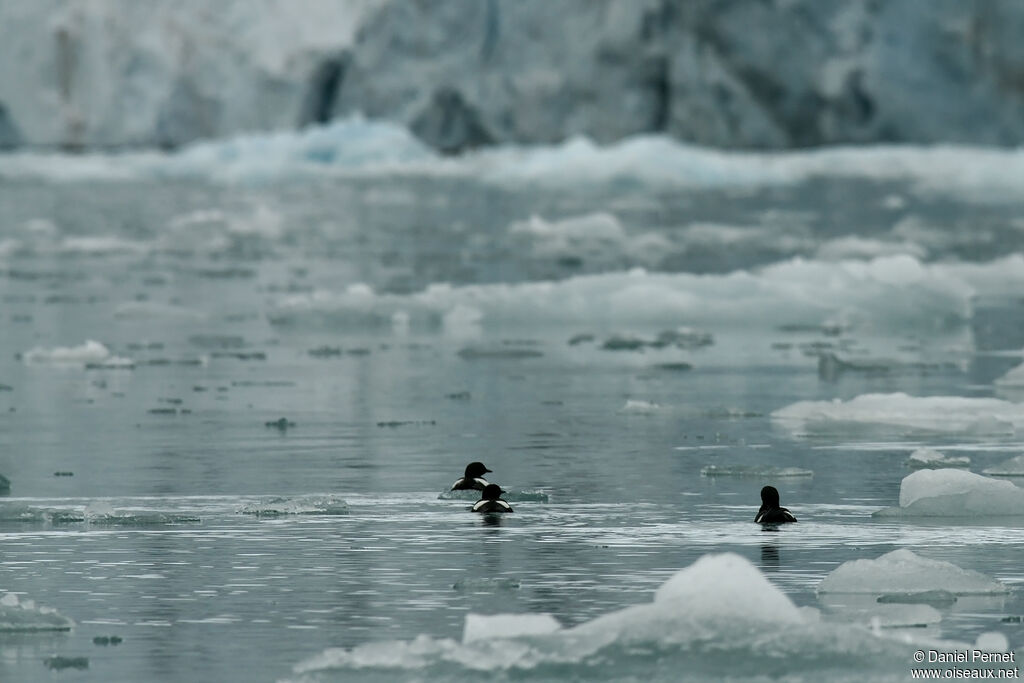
(467, 73)
(110, 73)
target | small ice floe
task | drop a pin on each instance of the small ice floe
(924, 458)
(102, 513)
(36, 515)
(932, 414)
(718, 599)
(904, 572)
(1014, 467)
(754, 471)
(18, 615)
(296, 505)
(91, 354)
(638, 407)
(955, 493)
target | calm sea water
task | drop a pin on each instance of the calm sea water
(211, 291)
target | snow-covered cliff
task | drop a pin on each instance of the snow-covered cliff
(464, 73)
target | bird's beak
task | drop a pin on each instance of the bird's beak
(487, 470)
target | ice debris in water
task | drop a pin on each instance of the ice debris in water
(887, 293)
(753, 471)
(718, 617)
(481, 627)
(928, 458)
(91, 353)
(1014, 467)
(902, 571)
(103, 513)
(297, 505)
(640, 407)
(23, 615)
(592, 238)
(946, 414)
(955, 493)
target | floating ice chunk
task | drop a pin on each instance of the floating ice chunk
(727, 585)
(590, 236)
(1013, 379)
(89, 352)
(17, 615)
(1014, 467)
(481, 627)
(640, 407)
(928, 458)
(901, 571)
(103, 513)
(297, 505)
(719, 618)
(755, 471)
(956, 493)
(945, 414)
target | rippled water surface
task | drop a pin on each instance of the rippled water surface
(221, 543)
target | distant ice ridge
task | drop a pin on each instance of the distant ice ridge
(955, 493)
(719, 617)
(19, 616)
(942, 414)
(373, 147)
(903, 572)
(886, 293)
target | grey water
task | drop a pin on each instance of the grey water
(150, 532)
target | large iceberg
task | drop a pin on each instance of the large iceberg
(718, 617)
(955, 493)
(903, 572)
(941, 414)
